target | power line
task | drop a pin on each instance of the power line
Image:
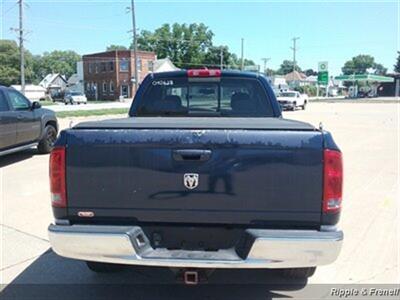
(10, 8)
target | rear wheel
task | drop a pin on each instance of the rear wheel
(298, 273)
(99, 267)
(304, 105)
(47, 142)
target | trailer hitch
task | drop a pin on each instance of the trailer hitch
(192, 276)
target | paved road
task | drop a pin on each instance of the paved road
(369, 137)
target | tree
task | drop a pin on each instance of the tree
(116, 47)
(380, 69)
(212, 57)
(186, 45)
(310, 72)
(360, 63)
(10, 63)
(63, 62)
(271, 72)
(397, 65)
(287, 67)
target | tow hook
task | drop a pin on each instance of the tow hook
(191, 277)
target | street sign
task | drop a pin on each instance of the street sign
(323, 66)
(323, 77)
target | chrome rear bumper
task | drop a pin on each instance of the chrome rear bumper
(129, 245)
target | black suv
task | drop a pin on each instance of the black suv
(24, 124)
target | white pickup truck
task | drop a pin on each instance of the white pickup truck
(292, 99)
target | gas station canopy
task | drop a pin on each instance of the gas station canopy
(365, 77)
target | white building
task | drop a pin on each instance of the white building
(312, 80)
(75, 82)
(163, 65)
(296, 79)
(32, 92)
(279, 83)
(54, 83)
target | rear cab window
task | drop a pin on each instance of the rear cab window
(209, 96)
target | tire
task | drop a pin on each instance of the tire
(303, 107)
(294, 107)
(47, 142)
(298, 273)
(99, 267)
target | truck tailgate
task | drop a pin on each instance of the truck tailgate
(245, 176)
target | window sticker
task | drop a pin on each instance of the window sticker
(163, 82)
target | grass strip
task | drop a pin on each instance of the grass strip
(93, 112)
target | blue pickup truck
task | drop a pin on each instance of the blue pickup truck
(203, 174)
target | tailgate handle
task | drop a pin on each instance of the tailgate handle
(191, 155)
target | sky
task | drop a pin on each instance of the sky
(330, 30)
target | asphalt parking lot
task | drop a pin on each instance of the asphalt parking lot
(368, 135)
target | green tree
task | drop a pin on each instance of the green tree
(287, 67)
(63, 62)
(212, 57)
(116, 47)
(310, 72)
(10, 63)
(360, 63)
(397, 65)
(186, 45)
(271, 72)
(236, 62)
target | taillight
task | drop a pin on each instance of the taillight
(333, 181)
(203, 73)
(57, 177)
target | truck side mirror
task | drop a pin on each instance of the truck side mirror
(36, 105)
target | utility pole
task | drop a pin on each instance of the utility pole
(222, 58)
(265, 60)
(21, 45)
(294, 52)
(242, 58)
(134, 43)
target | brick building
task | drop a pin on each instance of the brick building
(108, 75)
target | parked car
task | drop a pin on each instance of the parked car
(366, 94)
(196, 180)
(292, 99)
(75, 98)
(25, 124)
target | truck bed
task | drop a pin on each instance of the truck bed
(261, 171)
